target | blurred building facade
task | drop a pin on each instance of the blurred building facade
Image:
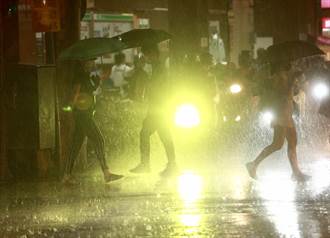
(33, 32)
(198, 25)
(278, 21)
(241, 23)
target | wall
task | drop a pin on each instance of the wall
(241, 28)
(286, 20)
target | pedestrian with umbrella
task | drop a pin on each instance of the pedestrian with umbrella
(86, 86)
(156, 94)
(282, 84)
(155, 121)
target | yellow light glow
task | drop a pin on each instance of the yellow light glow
(235, 88)
(239, 184)
(278, 194)
(267, 118)
(187, 116)
(238, 118)
(190, 187)
(191, 220)
(67, 109)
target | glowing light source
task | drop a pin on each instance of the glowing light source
(267, 117)
(190, 187)
(187, 116)
(235, 88)
(279, 201)
(320, 91)
(67, 109)
(191, 223)
(238, 118)
(190, 220)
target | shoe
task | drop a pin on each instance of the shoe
(300, 177)
(109, 177)
(252, 170)
(141, 168)
(170, 171)
(69, 180)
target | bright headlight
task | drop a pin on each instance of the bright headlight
(187, 116)
(320, 91)
(267, 117)
(235, 88)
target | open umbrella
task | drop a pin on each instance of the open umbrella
(91, 48)
(291, 51)
(140, 37)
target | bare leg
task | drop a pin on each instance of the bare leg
(166, 138)
(278, 141)
(291, 137)
(148, 128)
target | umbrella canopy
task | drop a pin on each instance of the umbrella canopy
(140, 37)
(91, 48)
(291, 51)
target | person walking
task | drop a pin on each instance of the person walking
(156, 120)
(85, 87)
(281, 102)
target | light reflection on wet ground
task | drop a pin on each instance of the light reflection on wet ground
(194, 205)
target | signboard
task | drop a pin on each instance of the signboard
(46, 16)
(326, 22)
(103, 17)
(107, 25)
(326, 27)
(325, 3)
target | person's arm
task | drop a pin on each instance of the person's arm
(72, 98)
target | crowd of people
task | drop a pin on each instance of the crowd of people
(148, 79)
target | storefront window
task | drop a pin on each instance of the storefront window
(326, 27)
(325, 3)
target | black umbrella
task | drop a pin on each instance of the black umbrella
(91, 48)
(140, 37)
(291, 51)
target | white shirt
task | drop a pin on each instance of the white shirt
(119, 73)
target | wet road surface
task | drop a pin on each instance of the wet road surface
(195, 204)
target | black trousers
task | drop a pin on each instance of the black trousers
(85, 126)
(151, 124)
